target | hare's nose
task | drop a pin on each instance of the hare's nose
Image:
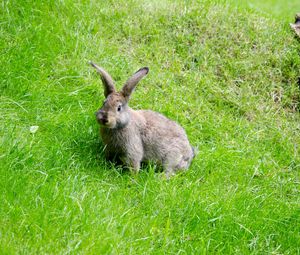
(104, 121)
(102, 116)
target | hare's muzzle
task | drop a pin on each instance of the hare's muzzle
(102, 117)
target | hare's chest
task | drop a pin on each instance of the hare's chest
(113, 140)
(120, 142)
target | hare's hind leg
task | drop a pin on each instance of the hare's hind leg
(169, 172)
(174, 164)
(184, 163)
(170, 164)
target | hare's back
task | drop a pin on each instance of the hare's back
(163, 139)
(159, 124)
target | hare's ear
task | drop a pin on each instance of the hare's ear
(133, 81)
(108, 82)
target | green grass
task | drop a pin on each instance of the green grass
(226, 71)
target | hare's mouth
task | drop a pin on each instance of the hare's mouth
(109, 125)
(106, 123)
(103, 122)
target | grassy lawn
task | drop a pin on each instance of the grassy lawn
(226, 71)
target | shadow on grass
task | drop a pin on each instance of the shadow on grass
(89, 152)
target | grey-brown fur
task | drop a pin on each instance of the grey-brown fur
(142, 135)
(296, 25)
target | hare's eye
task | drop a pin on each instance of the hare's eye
(119, 108)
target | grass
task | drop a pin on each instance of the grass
(226, 71)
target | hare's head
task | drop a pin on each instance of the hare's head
(114, 112)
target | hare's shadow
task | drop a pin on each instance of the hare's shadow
(90, 152)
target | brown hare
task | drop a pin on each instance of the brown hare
(140, 135)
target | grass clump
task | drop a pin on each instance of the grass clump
(225, 71)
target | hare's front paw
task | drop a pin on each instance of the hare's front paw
(133, 165)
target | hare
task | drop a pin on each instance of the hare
(136, 136)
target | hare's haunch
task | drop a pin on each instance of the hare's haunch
(142, 135)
